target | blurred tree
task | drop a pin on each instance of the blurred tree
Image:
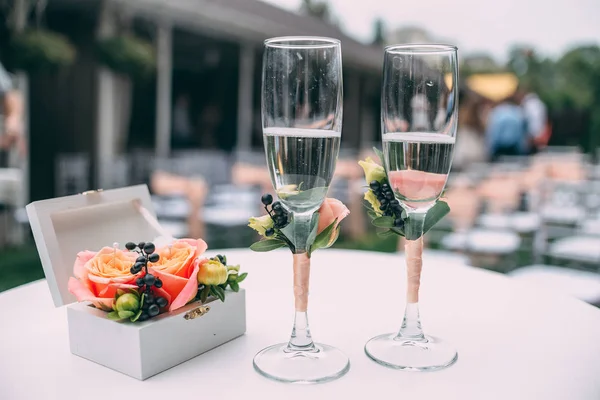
(578, 87)
(379, 32)
(317, 9)
(569, 86)
(578, 77)
(479, 63)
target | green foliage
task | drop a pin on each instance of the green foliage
(41, 50)
(128, 55)
(578, 77)
(20, 265)
(267, 245)
(378, 32)
(317, 9)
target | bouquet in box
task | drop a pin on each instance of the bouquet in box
(143, 281)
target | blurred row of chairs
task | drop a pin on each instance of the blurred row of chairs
(535, 218)
(203, 193)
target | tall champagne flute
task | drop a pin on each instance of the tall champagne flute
(302, 122)
(419, 116)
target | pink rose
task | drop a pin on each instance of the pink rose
(330, 211)
(98, 275)
(178, 268)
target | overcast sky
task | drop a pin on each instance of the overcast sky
(490, 26)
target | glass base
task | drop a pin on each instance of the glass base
(428, 354)
(321, 364)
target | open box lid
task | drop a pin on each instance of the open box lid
(64, 226)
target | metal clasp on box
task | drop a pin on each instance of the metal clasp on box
(196, 312)
(92, 192)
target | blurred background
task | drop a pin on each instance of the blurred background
(112, 93)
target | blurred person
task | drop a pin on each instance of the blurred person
(506, 132)
(470, 141)
(11, 120)
(183, 132)
(536, 114)
(11, 144)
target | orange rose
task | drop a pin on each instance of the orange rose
(178, 269)
(98, 275)
(330, 211)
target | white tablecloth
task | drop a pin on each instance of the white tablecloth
(514, 341)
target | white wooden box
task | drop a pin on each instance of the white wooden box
(64, 226)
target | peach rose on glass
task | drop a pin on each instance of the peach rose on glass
(332, 210)
(178, 268)
(98, 276)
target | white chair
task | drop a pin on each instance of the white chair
(212, 165)
(590, 227)
(488, 248)
(119, 172)
(579, 251)
(520, 222)
(142, 163)
(72, 174)
(583, 285)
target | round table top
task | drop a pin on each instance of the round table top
(514, 341)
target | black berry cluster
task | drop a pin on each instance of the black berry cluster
(278, 214)
(387, 202)
(152, 304)
(220, 258)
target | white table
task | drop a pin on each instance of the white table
(514, 341)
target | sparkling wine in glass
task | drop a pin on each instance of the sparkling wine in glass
(302, 121)
(418, 165)
(419, 116)
(301, 163)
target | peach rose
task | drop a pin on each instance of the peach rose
(98, 275)
(178, 269)
(330, 210)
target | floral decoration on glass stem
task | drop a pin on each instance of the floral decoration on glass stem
(386, 212)
(143, 281)
(275, 226)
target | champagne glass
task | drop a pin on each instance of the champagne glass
(419, 116)
(302, 122)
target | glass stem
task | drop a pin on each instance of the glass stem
(300, 339)
(411, 323)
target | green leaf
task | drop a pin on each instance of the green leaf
(383, 222)
(386, 233)
(379, 154)
(204, 294)
(372, 214)
(241, 278)
(113, 315)
(323, 240)
(218, 292)
(398, 231)
(120, 292)
(142, 300)
(126, 314)
(267, 245)
(435, 215)
(234, 286)
(136, 316)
